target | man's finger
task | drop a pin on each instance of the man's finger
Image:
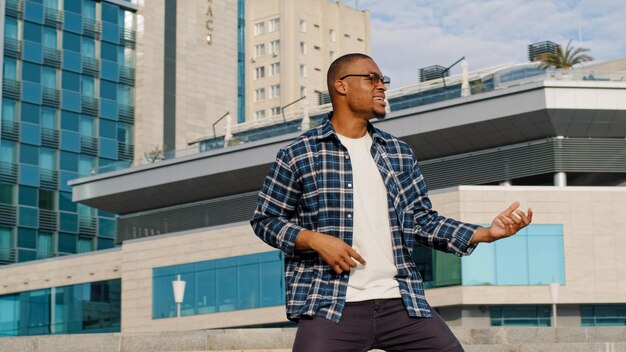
(511, 208)
(523, 217)
(337, 269)
(356, 256)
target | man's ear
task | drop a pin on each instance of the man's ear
(341, 87)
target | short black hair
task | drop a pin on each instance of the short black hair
(338, 66)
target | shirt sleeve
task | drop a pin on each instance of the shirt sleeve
(434, 230)
(276, 206)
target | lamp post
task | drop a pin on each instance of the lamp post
(179, 295)
(554, 295)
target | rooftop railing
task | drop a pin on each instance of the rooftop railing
(422, 94)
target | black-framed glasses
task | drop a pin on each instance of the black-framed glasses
(374, 77)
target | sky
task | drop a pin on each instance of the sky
(407, 35)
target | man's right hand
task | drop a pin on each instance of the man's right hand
(333, 250)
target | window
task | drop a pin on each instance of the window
(275, 91)
(331, 56)
(303, 48)
(31, 72)
(520, 315)
(32, 32)
(259, 72)
(302, 26)
(259, 114)
(275, 47)
(49, 37)
(276, 111)
(259, 94)
(274, 25)
(303, 70)
(302, 91)
(275, 69)
(259, 50)
(603, 315)
(332, 35)
(259, 28)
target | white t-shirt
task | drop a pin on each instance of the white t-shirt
(371, 235)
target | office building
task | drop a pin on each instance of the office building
(68, 85)
(550, 140)
(289, 47)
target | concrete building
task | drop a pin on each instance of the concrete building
(289, 47)
(551, 140)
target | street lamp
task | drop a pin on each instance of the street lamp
(179, 295)
(554, 295)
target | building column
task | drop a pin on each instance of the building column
(506, 183)
(560, 179)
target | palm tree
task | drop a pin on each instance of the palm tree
(564, 59)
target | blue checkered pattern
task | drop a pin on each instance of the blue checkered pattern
(307, 188)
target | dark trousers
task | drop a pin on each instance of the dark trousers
(382, 323)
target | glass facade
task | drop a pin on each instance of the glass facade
(67, 109)
(532, 257)
(520, 315)
(603, 315)
(85, 308)
(221, 285)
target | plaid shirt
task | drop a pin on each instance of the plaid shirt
(307, 188)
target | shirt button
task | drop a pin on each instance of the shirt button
(349, 216)
(347, 156)
(349, 185)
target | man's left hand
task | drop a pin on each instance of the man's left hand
(504, 225)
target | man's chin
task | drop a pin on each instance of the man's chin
(380, 115)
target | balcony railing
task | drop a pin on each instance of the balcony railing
(52, 57)
(8, 214)
(91, 66)
(87, 225)
(10, 130)
(48, 220)
(92, 28)
(53, 17)
(49, 137)
(11, 88)
(8, 256)
(51, 97)
(89, 145)
(127, 75)
(128, 37)
(48, 179)
(89, 105)
(15, 8)
(127, 113)
(13, 48)
(125, 151)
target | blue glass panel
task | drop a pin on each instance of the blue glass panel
(105, 243)
(110, 70)
(70, 81)
(108, 148)
(65, 202)
(49, 37)
(28, 217)
(72, 5)
(108, 90)
(29, 154)
(9, 315)
(479, 268)
(71, 42)
(67, 243)
(7, 151)
(545, 229)
(29, 175)
(546, 262)
(89, 9)
(33, 52)
(30, 133)
(85, 245)
(32, 32)
(124, 94)
(10, 27)
(106, 228)
(207, 292)
(512, 261)
(70, 121)
(73, 22)
(68, 222)
(70, 101)
(603, 315)
(72, 61)
(109, 13)
(65, 177)
(48, 118)
(31, 72)
(107, 129)
(49, 78)
(47, 158)
(108, 52)
(106, 214)
(110, 33)
(31, 92)
(9, 111)
(36, 317)
(89, 47)
(28, 196)
(6, 197)
(69, 161)
(9, 68)
(30, 113)
(27, 255)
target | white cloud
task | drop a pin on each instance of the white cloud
(410, 34)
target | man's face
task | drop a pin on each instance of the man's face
(366, 95)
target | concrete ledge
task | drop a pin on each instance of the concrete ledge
(505, 339)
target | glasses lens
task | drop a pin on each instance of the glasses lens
(386, 80)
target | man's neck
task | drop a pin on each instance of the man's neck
(348, 125)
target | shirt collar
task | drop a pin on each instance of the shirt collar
(326, 130)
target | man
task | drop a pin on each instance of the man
(346, 202)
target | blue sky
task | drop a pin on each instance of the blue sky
(409, 34)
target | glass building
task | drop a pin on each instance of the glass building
(67, 109)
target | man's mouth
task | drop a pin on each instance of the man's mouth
(380, 99)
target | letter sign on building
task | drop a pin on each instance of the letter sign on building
(209, 22)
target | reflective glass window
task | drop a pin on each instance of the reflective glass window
(109, 13)
(106, 227)
(72, 22)
(67, 243)
(33, 52)
(51, 4)
(5, 247)
(105, 243)
(110, 70)
(6, 193)
(107, 128)
(47, 159)
(9, 68)
(110, 33)
(68, 222)
(87, 127)
(107, 148)
(33, 11)
(85, 245)
(9, 112)
(603, 315)
(29, 175)
(72, 5)
(49, 37)
(26, 238)
(71, 81)
(64, 178)
(31, 92)
(71, 42)
(70, 121)
(32, 32)
(89, 9)
(108, 51)
(45, 245)
(70, 141)
(69, 161)
(125, 94)
(72, 61)
(30, 113)
(31, 72)
(28, 196)
(29, 154)
(7, 151)
(108, 109)
(48, 118)
(86, 165)
(108, 90)
(49, 77)
(520, 315)
(30, 133)
(46, 199)
(125, 133)
(66, 203)
(70, 101)
(87, 87)
(28, 217)
(10, 27)
(89, 47)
